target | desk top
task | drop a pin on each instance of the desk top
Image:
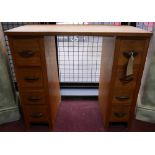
(101, 30)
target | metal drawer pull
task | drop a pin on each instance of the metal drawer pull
(120, 114)
(122, 97)
(127, 79)
(26, 54)
(128, 54)
(31, 78)
(33, 98)
(37, 115)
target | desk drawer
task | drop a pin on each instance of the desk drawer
(27, 52)
(120, 114)
(122, 96)
(33, 97)
(127, 46)
(30, 78)
(123, 81)
(36, 113)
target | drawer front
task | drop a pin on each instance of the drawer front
(27, 52)
(128, 46)
(120, 114)
(30, 78)
(33, 98)
(122, 96)
(36, 113)
(123, 81)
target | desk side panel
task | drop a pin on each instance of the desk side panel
(52, 75)
(107, 57)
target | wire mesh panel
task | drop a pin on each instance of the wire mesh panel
(79, 58)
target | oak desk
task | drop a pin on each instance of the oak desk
(34, 56)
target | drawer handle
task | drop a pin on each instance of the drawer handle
(120, 114)
(122, 97)
(127, 79)
(31, 78)
(33, 98)
(37, 115)
(128, 54)
(26, 54)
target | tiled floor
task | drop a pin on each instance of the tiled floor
(79, 116)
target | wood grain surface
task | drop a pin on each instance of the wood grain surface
(78, 30)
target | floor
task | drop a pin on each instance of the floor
(78, 116)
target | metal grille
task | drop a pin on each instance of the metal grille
(79, 58)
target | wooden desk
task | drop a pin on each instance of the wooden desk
(34, 56)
